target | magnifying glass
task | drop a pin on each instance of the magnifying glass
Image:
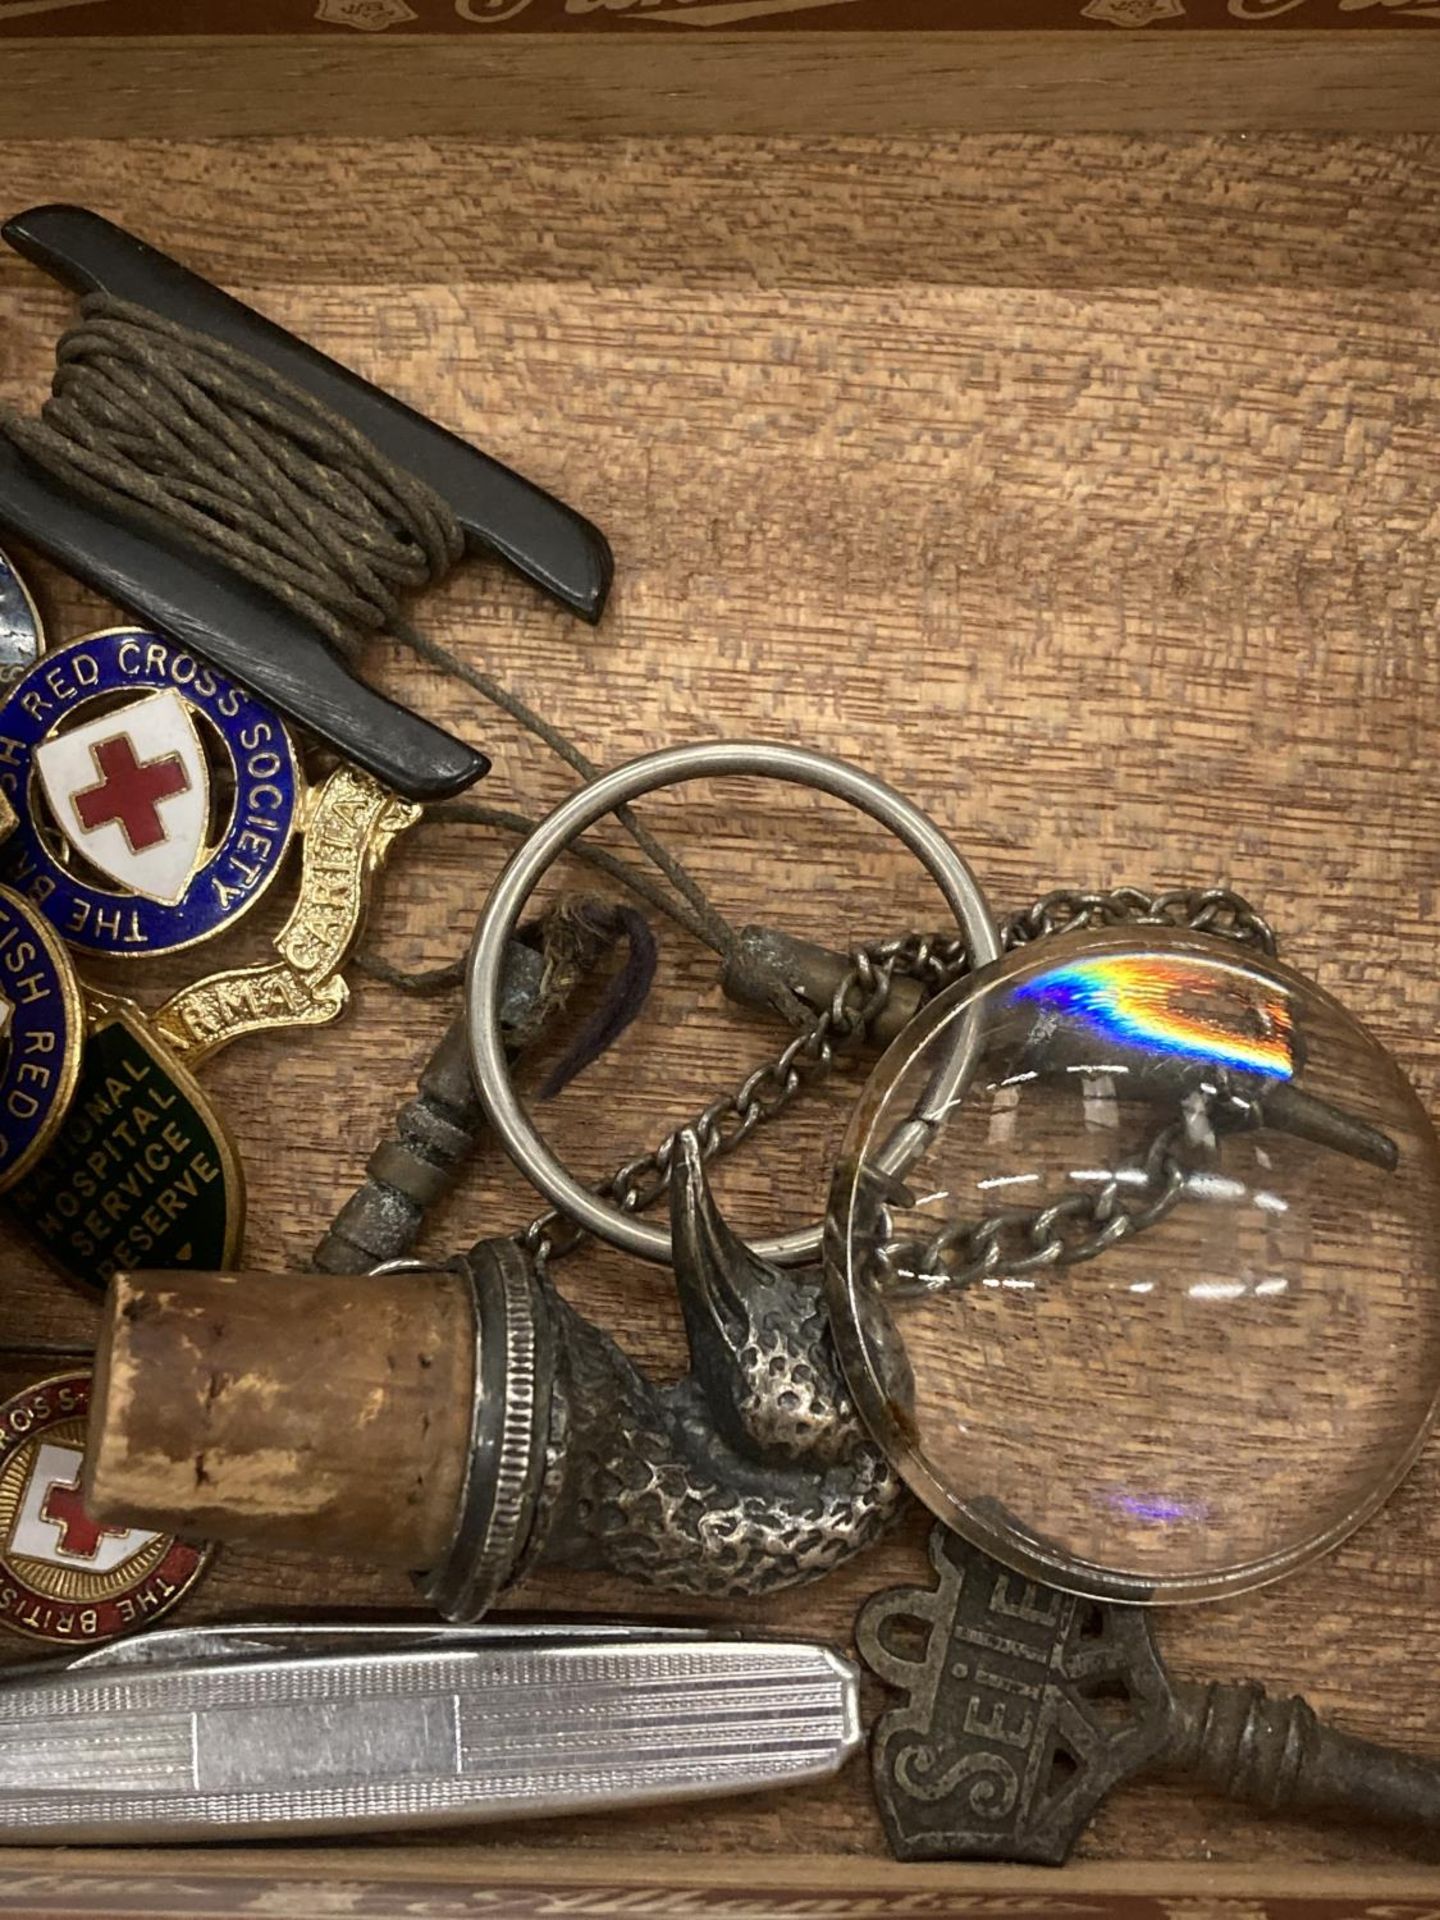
(1153, 1312)
(1133, 1253)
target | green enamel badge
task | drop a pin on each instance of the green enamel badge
(142, 1174)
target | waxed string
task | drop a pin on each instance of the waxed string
(188, 436)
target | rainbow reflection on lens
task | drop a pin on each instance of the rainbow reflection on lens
(1176, 1005)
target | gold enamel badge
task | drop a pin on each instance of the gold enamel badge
(154, 803)
(64, 1577)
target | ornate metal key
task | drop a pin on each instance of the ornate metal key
(1025, 1706)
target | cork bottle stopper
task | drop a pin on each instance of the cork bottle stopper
(300, 1411)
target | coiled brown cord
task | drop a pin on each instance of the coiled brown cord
(192, 439)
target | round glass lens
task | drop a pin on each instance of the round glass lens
(1153, 1310)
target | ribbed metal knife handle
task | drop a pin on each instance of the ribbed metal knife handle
(424, 1735)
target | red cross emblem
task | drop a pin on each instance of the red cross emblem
(79, 1534)
(129, 791)
(64, 1576)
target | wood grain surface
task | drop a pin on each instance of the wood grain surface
(632, 77)
(1086, 489)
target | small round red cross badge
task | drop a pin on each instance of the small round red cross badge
(65, 1577)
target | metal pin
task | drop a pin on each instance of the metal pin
(432, 1138)
(814, 973)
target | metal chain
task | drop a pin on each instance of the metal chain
(1017, 1241)
(936, 961)
(1199, 909)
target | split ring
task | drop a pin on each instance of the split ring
(671, 767)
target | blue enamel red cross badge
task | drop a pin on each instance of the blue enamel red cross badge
(42, 1026)
(155, 798)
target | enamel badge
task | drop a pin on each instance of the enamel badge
(155, 799)
(64, 1577)
(142, 1172)
(350, 822)
(20, 634)
(42, 1027)
(154, 804)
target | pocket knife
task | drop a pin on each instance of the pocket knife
(221, 1733)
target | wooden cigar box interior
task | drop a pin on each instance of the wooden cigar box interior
(1084, 487)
